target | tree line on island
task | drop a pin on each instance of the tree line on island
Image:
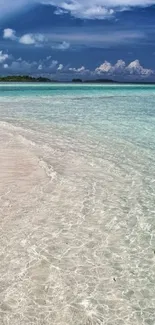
(26, 78)
(23, 79)
(44, 79)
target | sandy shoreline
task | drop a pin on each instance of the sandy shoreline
(66, 233)
(21, 180)
(19, 169)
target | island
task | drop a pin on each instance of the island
(25, 79)
(101, 81)
(77, 80)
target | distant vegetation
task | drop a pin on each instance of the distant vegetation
(76, 80)
(43, 79)
(24, 79)
(93, 81)
(100, 81)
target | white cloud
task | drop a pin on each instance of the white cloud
(60, 11)
(62, 46)
(60, 67)
(5, 66)
(87, 9)
(134, 68)
(40, 39)
(82, 70)
(95, 9)
(9, 33)
(77, 69)
(3, 57)
(120, 68)
(108, 68)
(105, 67)
(35, 39)
(40, 67)
(32, 39)
(27, 39)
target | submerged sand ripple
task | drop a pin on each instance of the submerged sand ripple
(73, 249)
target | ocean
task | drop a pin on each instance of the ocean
(77, 204)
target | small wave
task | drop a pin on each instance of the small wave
(50, 172)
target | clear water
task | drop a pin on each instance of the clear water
(89, 226)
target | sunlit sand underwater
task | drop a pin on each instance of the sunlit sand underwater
(77, 204)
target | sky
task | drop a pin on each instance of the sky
(87, 39)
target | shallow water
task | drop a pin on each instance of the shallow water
(78, 204)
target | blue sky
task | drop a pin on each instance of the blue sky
(78, 38)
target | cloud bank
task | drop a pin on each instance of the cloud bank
(95, 9)
(121, 69)
(84, 9)
(51, 66)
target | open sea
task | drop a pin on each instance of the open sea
(77, 204)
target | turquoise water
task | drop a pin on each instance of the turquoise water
(97, 145)
(125, 112)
